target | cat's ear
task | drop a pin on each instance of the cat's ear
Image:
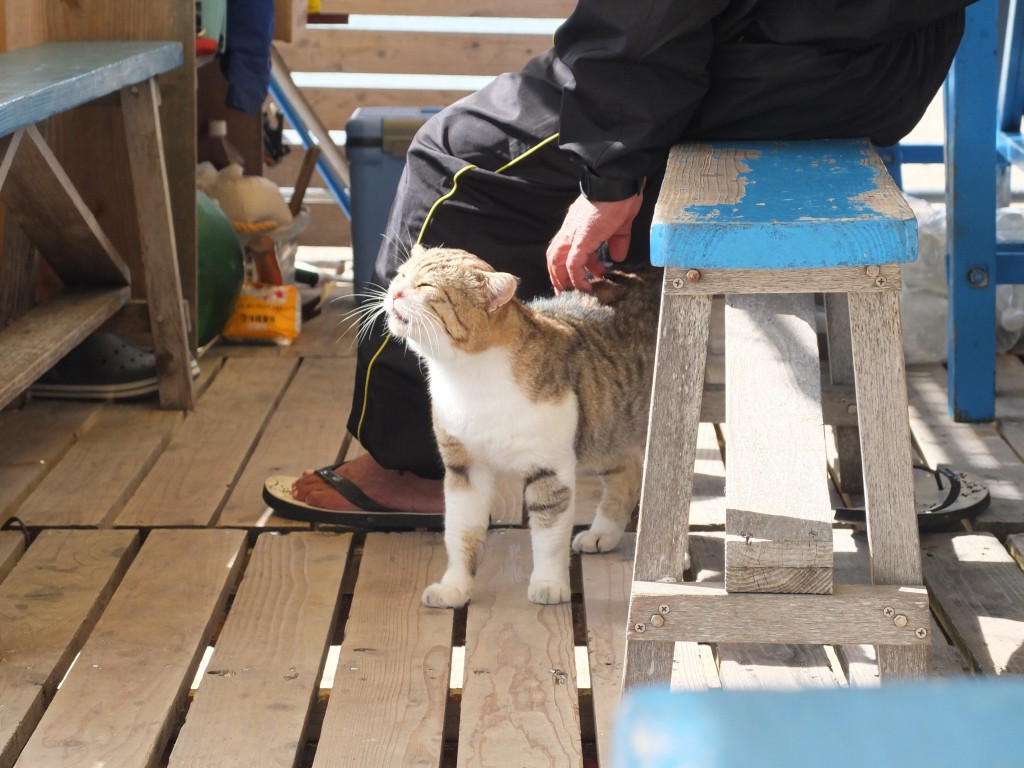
(501, 287)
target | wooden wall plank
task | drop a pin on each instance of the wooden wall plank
(975, 448)
(334, 106)
(117, 705)
(190, 480)
(305, 432)
(519, 696)
(544, 9)
(434, 53)
(48, 606)
(100, 472)
(977, 593)
(1015, 546)
(387, 705)
(253, 703)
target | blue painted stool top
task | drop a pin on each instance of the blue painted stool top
(43, 80)
(940, 723)
(780, 205)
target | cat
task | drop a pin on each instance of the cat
(536, 389)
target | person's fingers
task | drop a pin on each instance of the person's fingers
(618, 246)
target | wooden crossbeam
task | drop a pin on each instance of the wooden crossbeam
(46, 205)
(853, 614)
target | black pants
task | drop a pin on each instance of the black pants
(486, 175)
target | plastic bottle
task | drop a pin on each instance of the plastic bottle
(225, 153)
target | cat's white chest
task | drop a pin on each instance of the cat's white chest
(477, 401)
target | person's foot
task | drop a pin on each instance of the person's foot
(389, 487)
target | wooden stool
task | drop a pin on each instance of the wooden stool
(769, 224)
(46, 213)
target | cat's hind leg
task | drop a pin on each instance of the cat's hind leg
(468, 495)
(621, 490)
(548, 497)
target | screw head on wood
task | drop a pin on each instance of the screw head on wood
(900, 620)
(888, 612)
(677, 282)
(657, 620)
(880, 281)
(663, 609)
(693, 275)
(639, 627)
(921, 632)
(873, 271)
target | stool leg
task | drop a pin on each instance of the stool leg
(883, 416)
(661, 545)
(840, 361)
(159, 252)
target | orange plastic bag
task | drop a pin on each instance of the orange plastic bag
(265, 314)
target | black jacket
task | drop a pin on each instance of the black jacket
(639, 75)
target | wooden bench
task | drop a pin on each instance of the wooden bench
(769, 224)
(46, 214)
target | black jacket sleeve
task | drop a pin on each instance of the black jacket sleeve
(635, 71)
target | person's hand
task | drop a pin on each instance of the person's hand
(572, 252)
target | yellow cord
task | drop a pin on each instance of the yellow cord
(419, 238)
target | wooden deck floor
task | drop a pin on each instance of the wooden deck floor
(148, 549)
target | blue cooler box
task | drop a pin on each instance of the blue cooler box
(376, 140)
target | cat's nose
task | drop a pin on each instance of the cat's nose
(397, 293)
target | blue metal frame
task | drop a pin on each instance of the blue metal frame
(972, 170)
(334, 183)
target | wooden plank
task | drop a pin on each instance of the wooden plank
(780, 205)
(978, 595)
(99, 473)
(252, 705)
(32, 441)
(12, 547)
(519, 696)
(48, 606)
(33, 343)
(402, 52)
(304, 432)
(661, 547)
(739, 280)
(387, 706)
(778, 519)
(117, 705)
(158, 249)
(42, 80)
(45, 204)
(757, 666)
(975, 448)
(544, 9)
(190, 480)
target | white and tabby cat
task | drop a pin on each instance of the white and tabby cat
(537, 390)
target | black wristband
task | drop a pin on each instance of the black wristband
(601, 190)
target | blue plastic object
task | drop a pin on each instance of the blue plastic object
(934, 723)
(376, 140)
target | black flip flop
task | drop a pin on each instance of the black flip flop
(941, 496)
(371, 515)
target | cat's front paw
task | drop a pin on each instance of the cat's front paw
(596, 541)
(548, 592)
(444, 596)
